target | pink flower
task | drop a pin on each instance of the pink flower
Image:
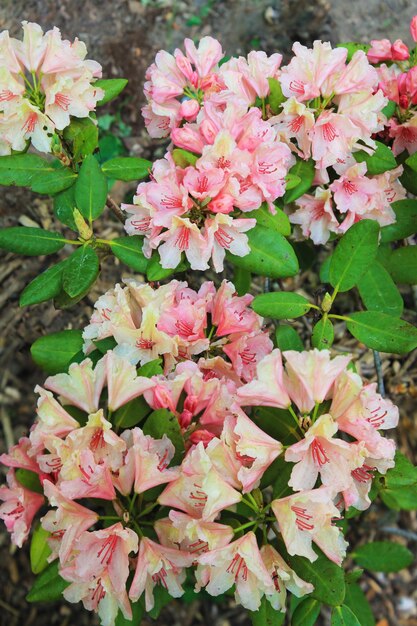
(268, 388)
(230, 312)
(98, 572)
(315, 216)
(333, 137)
(225, 233)
(183, 236)
(404, 135)
(66, 523)
(357, 493)
(81, 387)
(123, 384)
(307, 517)
(295, 121)
(53, 420)
(413, 28)
(357, 76)
(158, 565)
(240, 564)
(21, 455)
(205, 184)
(246, 351)
(194, 536)
(19, 508)
(151, 460)
(400, 51)
(248, 78)
(380, 50)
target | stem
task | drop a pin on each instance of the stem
(316, 408)
(250, 505)
(291, 410)
(339, 317)
(132, 503)
(252, 499)
(109, 517)
(378, 367)
(115, 209)
(137, 528)
(147, 510)
(239, 528)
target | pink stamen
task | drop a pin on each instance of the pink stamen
(363, 474)
(98, 593)
(105, 314)
(199, 546)
(247, 356)
(275, 578)
(329, 132)
(349, 187)
(160, 577)
(62, 101)
(171, 202)
(200, 497)
(163, 462)
(223, 239)
(6, 95)
(185, 328)
(318, 453)
(238, 564)
(376, 419)
(29, 125)
(203, 184)
(55, 464)
(183, 239)
(145, 344)
(223, 163)
(97, 440)
(17, 511)
(297, 87)
(295, 125)
(106, 552)
(266, 168)
(301, 518)
(141, 225)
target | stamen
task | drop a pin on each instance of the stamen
(329, 132)
(183, 239)
(223, 238)
(318, 453)
(62, 101)
(295, 125)
(301, 518)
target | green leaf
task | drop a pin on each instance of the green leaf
(184, 158)
(343, 616)
(288, 338)
(379, 292)
(29, 480)
(400, 498)
(412, 162)
(383, 556)
(354, 254)
(389, 109)
(127, 168)
(49, 586)
(409, 179)
(137, 615)
(242, 280)
(80, 271)
(291, 181)
(54, 353)
(151, 368)
(325, 270)
(30, 170)
(162, 422)
(406, 223)
(323, 334)
(382, 332)
(275, 97)
(39, 550)
(111, 87)
(30, 241)
(266, 615)
(356, 601)
(271, 254)
(132, 413)
(353, 47)
(155, 272)
(45, 286)
(278, 222)
(402, 265)
(306, 613)
(161, 599)
(379, 162)
(281, 305)
(278, 423)
(106, 344)
(305, 172)
(64, 205)
(327, 577)
(403, 474)
(129, 251)
(91, 189)
(281, 489)
(82, 137)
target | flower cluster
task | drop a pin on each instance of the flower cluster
(397, 74)
(187, 488)
(43, 81)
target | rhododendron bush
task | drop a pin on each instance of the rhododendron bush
(187, 439)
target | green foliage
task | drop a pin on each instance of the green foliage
(382, 332)
(402, 265)
(64, 205)
(91, 189)
(184, 158)
(399, 490)
(306, 613)
(327, 577)
(137, 614)
(242, 280)
(112, 87)
(278, 221)
(379, 292)
(356, 601)
(281, 305)
(131, 413)
(383, 556)
(275, 97)
(39, 550)
(379, 162)
(81, 136)
(155, 272)
(54, 353)
(343, 616)
(80, 271)
(305, 172)
(352, 47)
(127, 168)
(266, 615)
(288, 339)
(44, 287)
(30, 170)
(271, 254)
(129, 251)
(323, 334)
(163, 422)
(30, 241)
(49, 586)
(405, 224)
(279, 423)
(29, 480)
(353, 255)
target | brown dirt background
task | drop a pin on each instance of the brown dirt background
(124, 37)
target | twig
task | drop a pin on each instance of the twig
(407, 534)
(115, 209)
(378, 367)
(9, 608)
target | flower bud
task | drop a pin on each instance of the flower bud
(326, 304)
(413, 28)
(83, 228)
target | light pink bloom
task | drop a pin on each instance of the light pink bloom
(307, 517)
(295, 121)
(321, 454)
(81, 476)
(52, 420)
(283, 577)
(151, 459)
(400, 51)
(205, 184)
(99, 570)
(413, 28)
(231, 313)
(357, 493)
(19, 508)
(225, 233)
(158, 565)
(357, 76)
(252, 447)
(183, 236)
(404, 135)
(315, 216)
(81, 387)
(268, 387)
(123, 384)
(8, 56)
(31, 50)
(380, 50)
(66, 523)
(240, 563)
(21, 455)
(248, 77)
(270, 165)
(246, 351)
(333, 137)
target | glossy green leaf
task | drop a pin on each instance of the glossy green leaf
(275, 97)
(30, 241)
(356, 601)
(305, 172)
(156, 272)
(131, 413)
(278, 423)
(400, 498)
(383, 556)
(111, 87)
(48, 586)
(91, 189)
(402, 265)
(409, 179)
(389, 109)
(53, 353)
(162, 422)
(412, 162)
(353, 255)
(288, 339)
(291, 181)
(106, 344)
(29, 480)
(80, 271)
(129, 251)
(266, 615)
(271, 254)
(242, 280)
(184, 158)
(327, 577)
(379, 292)
(39, 550)
(352, 47)
(406, 221)
(379, 162)
(45, 286)
(382, 332)
(137, 615)
(278, 222)
(151, 368)
(325, 270)
(281, 488)
(323, 334)
(30, 170)
(81, 136)
(280, 305)
(403, 474)
(127, 168)
(64, 205)
(343, 616)
(306, 613)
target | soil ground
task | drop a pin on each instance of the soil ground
(124, 35)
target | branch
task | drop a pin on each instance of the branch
(115, 209)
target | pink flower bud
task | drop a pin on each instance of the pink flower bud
(399, 51)
(413, 28)
(189, 110)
